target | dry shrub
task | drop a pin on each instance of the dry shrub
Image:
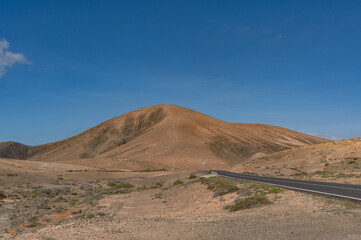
(250, 202)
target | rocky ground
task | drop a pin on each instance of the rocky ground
(98, 204)
(333, 161)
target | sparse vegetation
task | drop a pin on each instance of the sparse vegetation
(263, 189)
(73, 202)
(250, 202)
(244, 192)
(156, 185)
(101, 214)
(116, 185)
(275, 190)
(225, 147)
(43, 204)
(48, 238)
(344, 175)
(219, 186)
(158, 196)
(249, 196)
(298, 173)
(177, 182)
(2, 195)
(323, 174)
(150, 170)
(192, 176)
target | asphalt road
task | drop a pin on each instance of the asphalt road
(344, 190)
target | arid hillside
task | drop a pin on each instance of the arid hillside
(339, 159)
(164, 136)
(14, 150)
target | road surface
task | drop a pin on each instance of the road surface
(344, 190)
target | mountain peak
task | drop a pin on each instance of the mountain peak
(164, 136)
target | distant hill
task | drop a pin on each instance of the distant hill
(164, 136)
(332, 157)
(15, 150)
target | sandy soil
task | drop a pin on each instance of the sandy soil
(185, 211)
(335, 161)
(293, 216)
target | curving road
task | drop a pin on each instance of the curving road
(344, 190)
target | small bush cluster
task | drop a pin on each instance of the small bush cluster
(244, 192)
(116, 185)
(158, 195)
(118, 188)
(192, 176)
(2, 195)
(219, 186)
(151, 170)
(250, 202)
(156, 185)
(263, 189)
(345, 175)
(50, 192)
(177, 182)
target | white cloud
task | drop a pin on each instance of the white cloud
(356, 135)
(236, 28)
(8, 59)
(279, 37)
(326, 136)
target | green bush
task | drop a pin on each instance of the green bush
(117, 191)
(275, 190)
(345, 175)
(244, 192)
(156, 185)
(101, 214)
(116, 185)
(219, 185)
(263, 189)
(2, 195)
(177, 182)
(73, 202)
(151, 170)
(192, 176)
(158, 195)
(250, 202)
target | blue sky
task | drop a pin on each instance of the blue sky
(66, 66)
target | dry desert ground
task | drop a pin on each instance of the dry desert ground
(58, 201)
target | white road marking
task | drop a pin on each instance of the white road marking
(302, 189)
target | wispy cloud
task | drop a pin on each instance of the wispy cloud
(326, 136)
(237, 28)
(356, 135)
(279, 37)
(8, 59)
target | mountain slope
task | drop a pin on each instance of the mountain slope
(326, 158)
(16, 150)
(169, 136)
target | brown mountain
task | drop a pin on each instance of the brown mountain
(164, 136)
(15, 150)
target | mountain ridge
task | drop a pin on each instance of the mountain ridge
(165, 136)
